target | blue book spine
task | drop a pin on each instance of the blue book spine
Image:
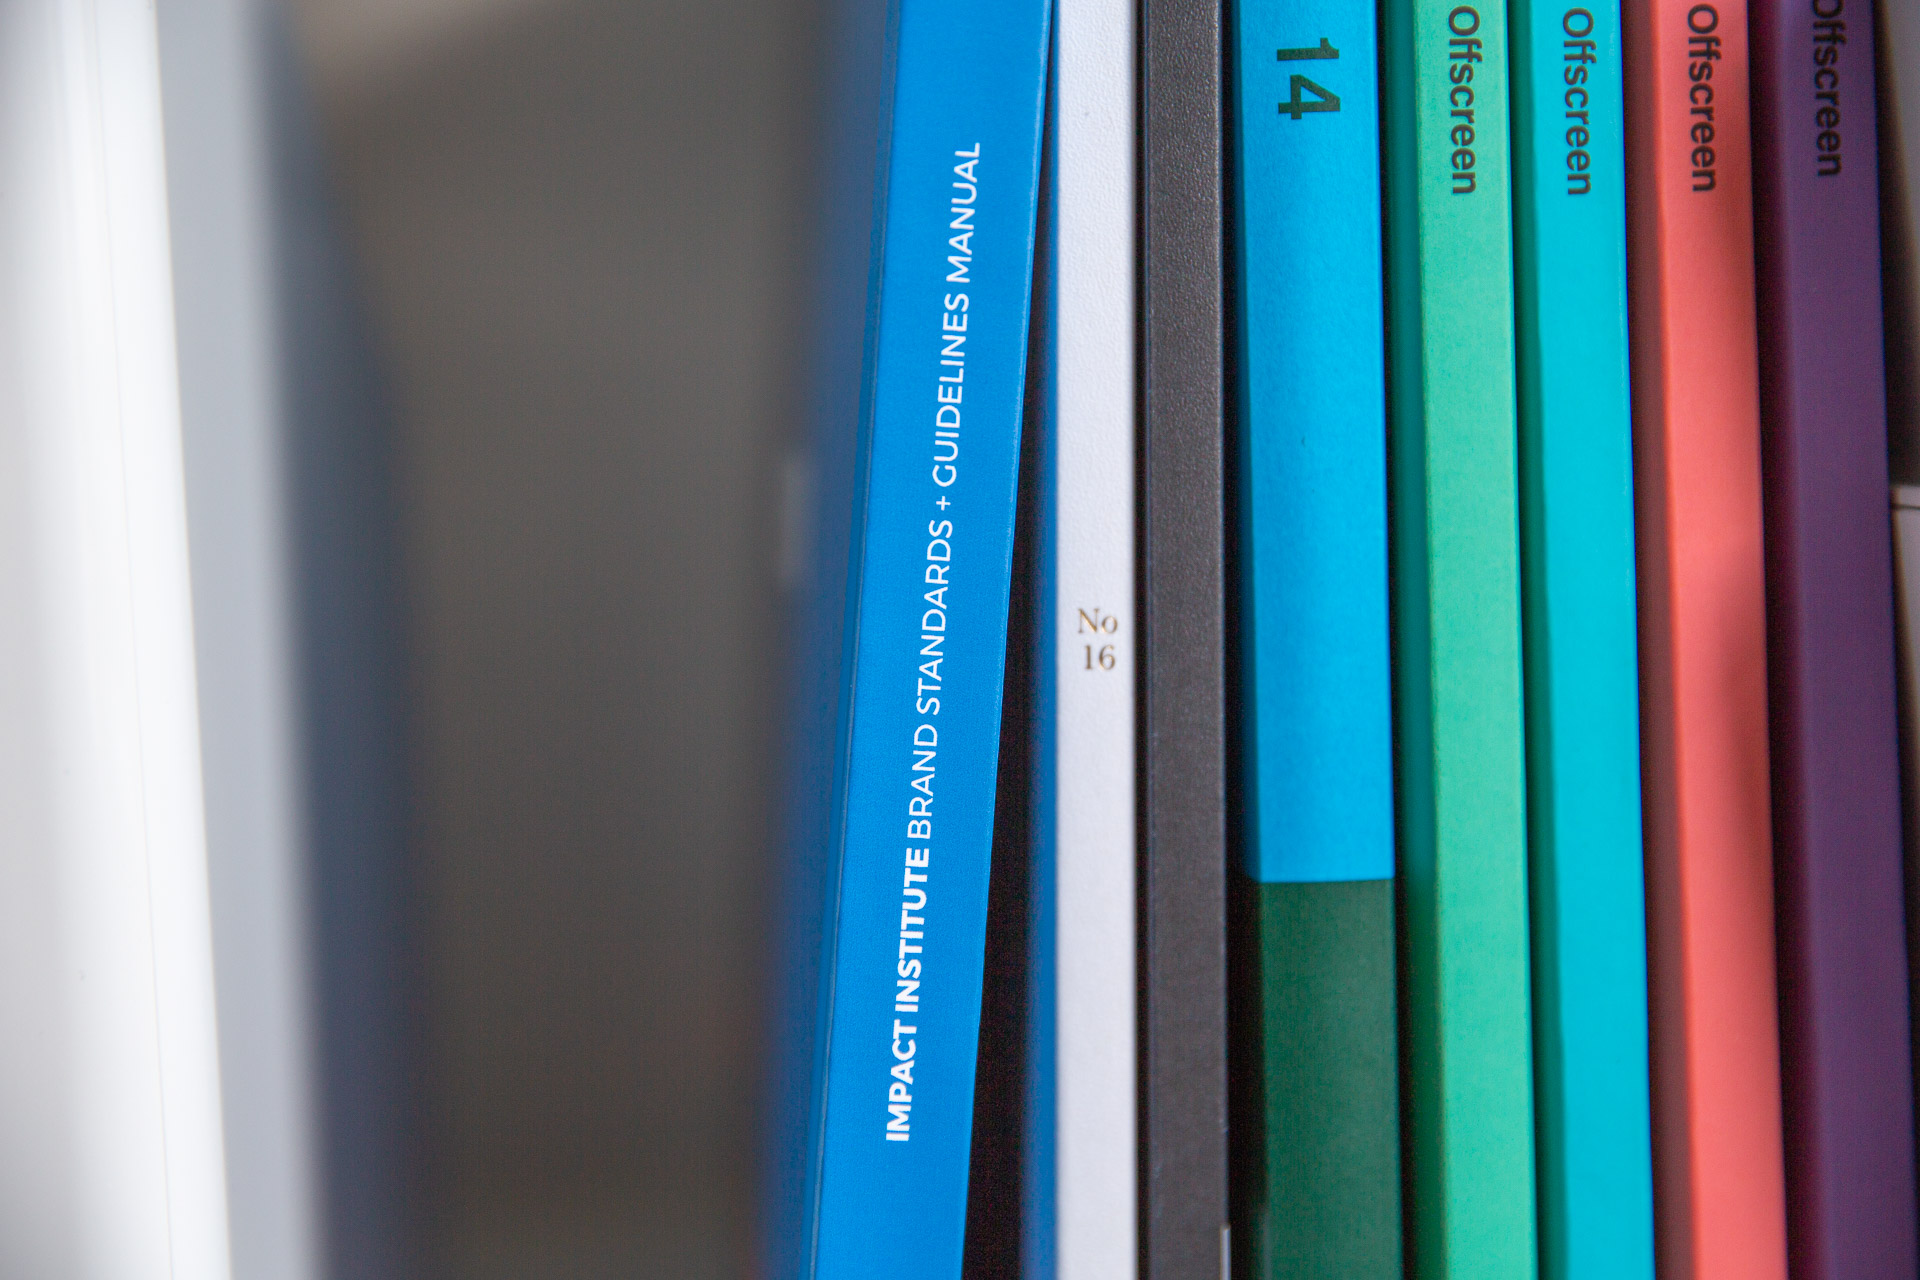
(1583, 731)
(923, 643)
(1313, 490)
(1316, 1115)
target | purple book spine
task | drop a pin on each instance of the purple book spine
(1843, 972)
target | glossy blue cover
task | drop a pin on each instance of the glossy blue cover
(1313, 438)
(1583, 728)
(897, 859)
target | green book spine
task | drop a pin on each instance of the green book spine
(1320, 1178)
(1462, 771)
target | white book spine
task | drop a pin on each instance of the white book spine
(111, 1162)
(1092, 617)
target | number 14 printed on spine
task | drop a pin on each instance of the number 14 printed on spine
(1318, 1107)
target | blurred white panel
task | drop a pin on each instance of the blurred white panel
(288, 508)
(110, 1142)
(217, 157)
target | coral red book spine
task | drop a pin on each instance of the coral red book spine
(1720, 1201)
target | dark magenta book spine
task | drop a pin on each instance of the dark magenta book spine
(1836, 788)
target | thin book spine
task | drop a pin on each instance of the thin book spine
(1583, 725)
(1181, 730)
(1719, 1196)
(1318, 1132)
(1843, 964)
(927, 579)
(1082, 1182)
(1462, 769)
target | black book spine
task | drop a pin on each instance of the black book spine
(1182, 750)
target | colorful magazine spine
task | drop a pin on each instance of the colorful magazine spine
(1082, 1169)
(1719, 1195)
(1462, 766)
(1319, 1162)
(1583, 686)
(883, 1168)
(1836, 767)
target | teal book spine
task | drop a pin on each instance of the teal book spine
(1456, 564)
(1317, 1101)
(1583, 724)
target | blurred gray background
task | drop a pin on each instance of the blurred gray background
(580, 225)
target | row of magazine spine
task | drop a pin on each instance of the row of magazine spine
(1550, 416)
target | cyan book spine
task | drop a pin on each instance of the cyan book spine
(1317, 1106)
(925, 640)
(1313, 442)
(1582, 656)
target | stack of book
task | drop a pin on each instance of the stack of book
(1436, 808)
(1348, 698)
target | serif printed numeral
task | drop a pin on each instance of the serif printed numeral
(1323, 98)
(1097, 656)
